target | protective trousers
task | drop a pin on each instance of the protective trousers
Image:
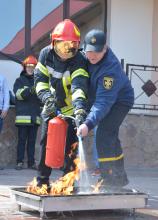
(110, 155)
(71, 149)
(26, 137)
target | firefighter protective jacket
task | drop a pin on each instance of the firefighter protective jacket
(27, 104)
(69, 79)
(108, 85)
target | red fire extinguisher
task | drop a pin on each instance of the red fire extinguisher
(56, 140)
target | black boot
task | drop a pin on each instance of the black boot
(43, 181)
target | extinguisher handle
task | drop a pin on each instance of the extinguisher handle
(65, 116)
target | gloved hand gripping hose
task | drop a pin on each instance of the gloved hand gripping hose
(80, 115)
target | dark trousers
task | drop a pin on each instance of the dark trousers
(109, 148)
(26, 139)
(45, 171)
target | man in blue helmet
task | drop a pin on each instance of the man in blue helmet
(111, 97)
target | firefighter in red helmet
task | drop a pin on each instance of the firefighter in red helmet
(27, 113)
(30, 61)
(66, 39)
(61, 81)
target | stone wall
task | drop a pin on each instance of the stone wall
(138, 134)
(8, 140)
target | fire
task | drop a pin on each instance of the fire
(63, 186)
(33, 188)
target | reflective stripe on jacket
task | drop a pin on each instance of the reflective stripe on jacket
(27, 105)
(68, 78)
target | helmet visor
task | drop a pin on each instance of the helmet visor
(66, 49)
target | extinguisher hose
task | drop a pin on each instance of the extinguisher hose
(65, 116)
(73, 118)
(68, 116)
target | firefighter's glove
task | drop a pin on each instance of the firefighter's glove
(80, 116)
(32, 90)
(49, 109)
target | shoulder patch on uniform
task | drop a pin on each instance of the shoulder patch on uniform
(108, 82)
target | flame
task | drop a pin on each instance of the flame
(74, 146)
(63, 186)
(33, 188)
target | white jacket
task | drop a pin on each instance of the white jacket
(4, 94)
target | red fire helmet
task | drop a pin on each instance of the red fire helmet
(30, 61)
(66, 31)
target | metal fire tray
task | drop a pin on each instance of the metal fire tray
(126, 199)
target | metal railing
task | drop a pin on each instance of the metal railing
(144, 80)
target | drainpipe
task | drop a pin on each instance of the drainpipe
(66, 9)
(105, 16)
(27, 49)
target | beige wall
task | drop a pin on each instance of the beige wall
(155, 34)
(131, 30)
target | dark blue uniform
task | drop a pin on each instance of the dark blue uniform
(28, 119)
(111, 97)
